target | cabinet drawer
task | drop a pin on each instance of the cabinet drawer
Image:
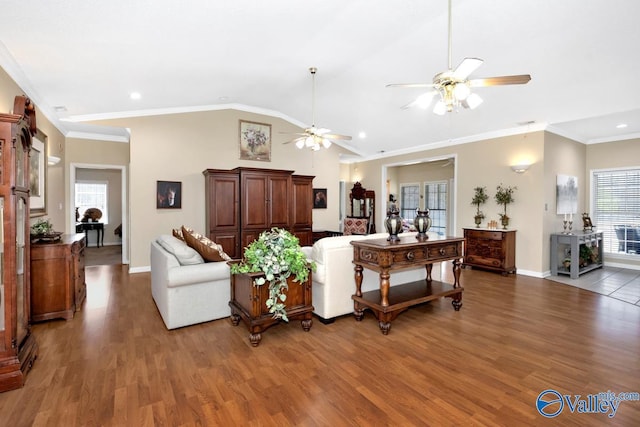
(482, 261)
(482, 234)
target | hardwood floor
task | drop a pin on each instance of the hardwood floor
(115, 364)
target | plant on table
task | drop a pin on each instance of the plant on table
(504, 196)
(480, 197)
(42, 227)
(277, 254)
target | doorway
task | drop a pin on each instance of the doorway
(113, 242)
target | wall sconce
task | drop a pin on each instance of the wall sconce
(53, 160)
(520, 168)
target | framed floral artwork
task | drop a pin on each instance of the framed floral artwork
(255, 141)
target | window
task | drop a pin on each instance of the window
(616, 197)
(409, 201)
(435, 196)
(92, 194)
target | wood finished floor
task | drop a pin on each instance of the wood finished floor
(115, 364)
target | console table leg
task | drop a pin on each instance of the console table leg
(235, 319)
(457, 302)
(384, 287)
(358, 278)
(429, 268)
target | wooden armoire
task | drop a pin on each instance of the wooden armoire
(243, 202)
(18, 348)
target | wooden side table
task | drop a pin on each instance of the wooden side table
(86, 226)
(386, 257)
(248, 303)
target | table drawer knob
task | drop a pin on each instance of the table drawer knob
(442, 251)
(410, 256)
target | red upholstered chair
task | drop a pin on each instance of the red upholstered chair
(355, 226)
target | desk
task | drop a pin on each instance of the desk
(385, 257)
(86, 226)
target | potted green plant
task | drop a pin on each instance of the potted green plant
(278, 256)
(480, 197)
(504, 196)
(42, 229)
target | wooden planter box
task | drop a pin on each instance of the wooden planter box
(248, 302)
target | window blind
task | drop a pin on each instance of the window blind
(617, 209)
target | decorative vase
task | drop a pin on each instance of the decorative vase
(478, 220)
(393, 224)
(422, 222)
(505, 221)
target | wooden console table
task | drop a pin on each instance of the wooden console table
(385, 257)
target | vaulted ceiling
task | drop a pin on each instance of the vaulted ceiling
(80, 59)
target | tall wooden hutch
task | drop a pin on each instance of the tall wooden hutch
(18, 348)
(243, 202)
(363, 205)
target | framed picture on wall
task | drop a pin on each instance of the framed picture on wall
(319, 198)
(38, 175)
(255, 141)
(169, 195)
(566, 194)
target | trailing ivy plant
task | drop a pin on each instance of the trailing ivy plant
(277, 254)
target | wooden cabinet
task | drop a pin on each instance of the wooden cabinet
(490, 249)
(57, 278)
(248, 303)
(301, 208)
(18, 348)
(243, 202)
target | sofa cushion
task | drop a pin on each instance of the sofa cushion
(208, 249)
(183, 253)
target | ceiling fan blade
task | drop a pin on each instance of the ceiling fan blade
(410, 85)
(336, 136)
(423, 101)
(302, 138)
(501, 80)
(466, 67)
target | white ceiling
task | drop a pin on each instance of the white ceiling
(254, 55)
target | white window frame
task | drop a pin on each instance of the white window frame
(604, 220)
(105, 209)
(434, 227)
(408, 214)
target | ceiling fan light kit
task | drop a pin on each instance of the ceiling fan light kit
(312, 137)
(454, 86)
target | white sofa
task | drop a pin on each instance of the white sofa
(334, 282)
(187, 290)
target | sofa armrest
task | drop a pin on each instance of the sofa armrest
(199, 273)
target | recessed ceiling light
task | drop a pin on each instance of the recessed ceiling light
(362, 135)
(622, 126)
(223, 98)
(60, 108)
(135, 95)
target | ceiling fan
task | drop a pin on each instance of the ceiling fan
(313, 137)
(454, 86)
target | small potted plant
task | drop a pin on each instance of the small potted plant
(504, 196)
(42, 229)
(480, 197)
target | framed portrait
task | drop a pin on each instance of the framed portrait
(169, 195)
(255, 141)
(319, 198)
(38, 175)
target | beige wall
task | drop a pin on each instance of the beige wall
(178, 147)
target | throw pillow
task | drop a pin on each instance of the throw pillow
(208, 249)
(183, 253)
(177, 233)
